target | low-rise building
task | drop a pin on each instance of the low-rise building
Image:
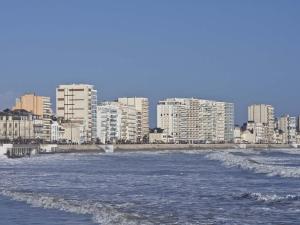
(73, 133)
(247, 137)
(158, 136)
(20, 125)
(255, 133)
(279, 137)
(57, 132)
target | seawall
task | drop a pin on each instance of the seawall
(137, 147)
(155, 147)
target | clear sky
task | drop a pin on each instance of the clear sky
(240, 51)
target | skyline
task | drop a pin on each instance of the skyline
(241, 53)
(154, 120)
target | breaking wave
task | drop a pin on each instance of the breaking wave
(100, 213)
(264, 198)
(255, 165)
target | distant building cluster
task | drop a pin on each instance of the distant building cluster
(264, 128)
(79, 118)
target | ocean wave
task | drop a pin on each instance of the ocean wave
(254, 164)
(265, 198)
(287, 151)
(100, 213)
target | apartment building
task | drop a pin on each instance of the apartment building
(141, 106)
(287, 125)
(190, 120)
(116, 122)
(172, 118)
(39, 106)
(263, 114)
(76, 105)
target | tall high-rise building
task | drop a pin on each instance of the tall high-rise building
(77, 104)
(142, 108)
(189, 120)
(40, 106)
(264, 114)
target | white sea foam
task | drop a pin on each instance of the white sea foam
(265, 198)
(253, 164)
(100, 213)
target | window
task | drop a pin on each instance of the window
(76, 89)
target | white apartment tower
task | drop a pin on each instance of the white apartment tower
(77, 104)
(141, 106)
(263, 114)
(190, 120)
(116, 122)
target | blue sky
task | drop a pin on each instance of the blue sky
(240, 51)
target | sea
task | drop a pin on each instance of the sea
(160, 187)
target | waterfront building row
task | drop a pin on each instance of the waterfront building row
(80, 119)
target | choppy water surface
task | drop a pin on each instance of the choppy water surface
(184, 187)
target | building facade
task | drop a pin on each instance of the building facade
(116, 123)
(109, 116)
(20, 125)
(141, 106)
(76, 105)
(259, 131)
(40, 106)
(263, 114)
(189, 120)
(287, 125)
(172, 118)
(57, 132)
(158, 136)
